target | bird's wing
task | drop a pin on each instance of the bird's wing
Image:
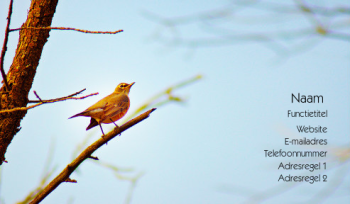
(95, 109)
(118, 105)
(101, 104)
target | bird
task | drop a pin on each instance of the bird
(109, 109)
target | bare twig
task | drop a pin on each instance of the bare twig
(37, 96)
(70, 180)
(92, 157)
(221, 25)
(68, 28)
(164, 96)
(45, 101)
(4, 46)
(119, 173)
(81, 146)
(46, 175)
(64, 175)
(55, 99)
(131, 190)
(42, 184)
(115, 169)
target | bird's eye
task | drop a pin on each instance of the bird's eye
(122, 86)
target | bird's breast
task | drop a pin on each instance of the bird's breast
(116, 116)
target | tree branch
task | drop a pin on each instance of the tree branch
(68, 28)
(55, 99)
(4, 46)
(222, 26)
(46, 101)
(22, 71)
(64, 175)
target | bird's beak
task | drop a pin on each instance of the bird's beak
(130, 85)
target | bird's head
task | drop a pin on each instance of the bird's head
(123, 88)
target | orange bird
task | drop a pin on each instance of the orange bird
(109, 109)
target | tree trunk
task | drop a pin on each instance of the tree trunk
(22, 71)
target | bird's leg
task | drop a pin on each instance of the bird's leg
(114, 123)
(116, 126)
(103, 134)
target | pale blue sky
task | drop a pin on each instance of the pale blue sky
(208, 150)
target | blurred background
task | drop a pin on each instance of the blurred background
(240, 61)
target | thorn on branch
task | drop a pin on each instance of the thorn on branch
(68, 28)
(92, 157)
(37, 96)
(70, 180)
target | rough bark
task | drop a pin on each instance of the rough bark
(22, 71)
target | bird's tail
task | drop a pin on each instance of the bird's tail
(79, 114)
(92, 124)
